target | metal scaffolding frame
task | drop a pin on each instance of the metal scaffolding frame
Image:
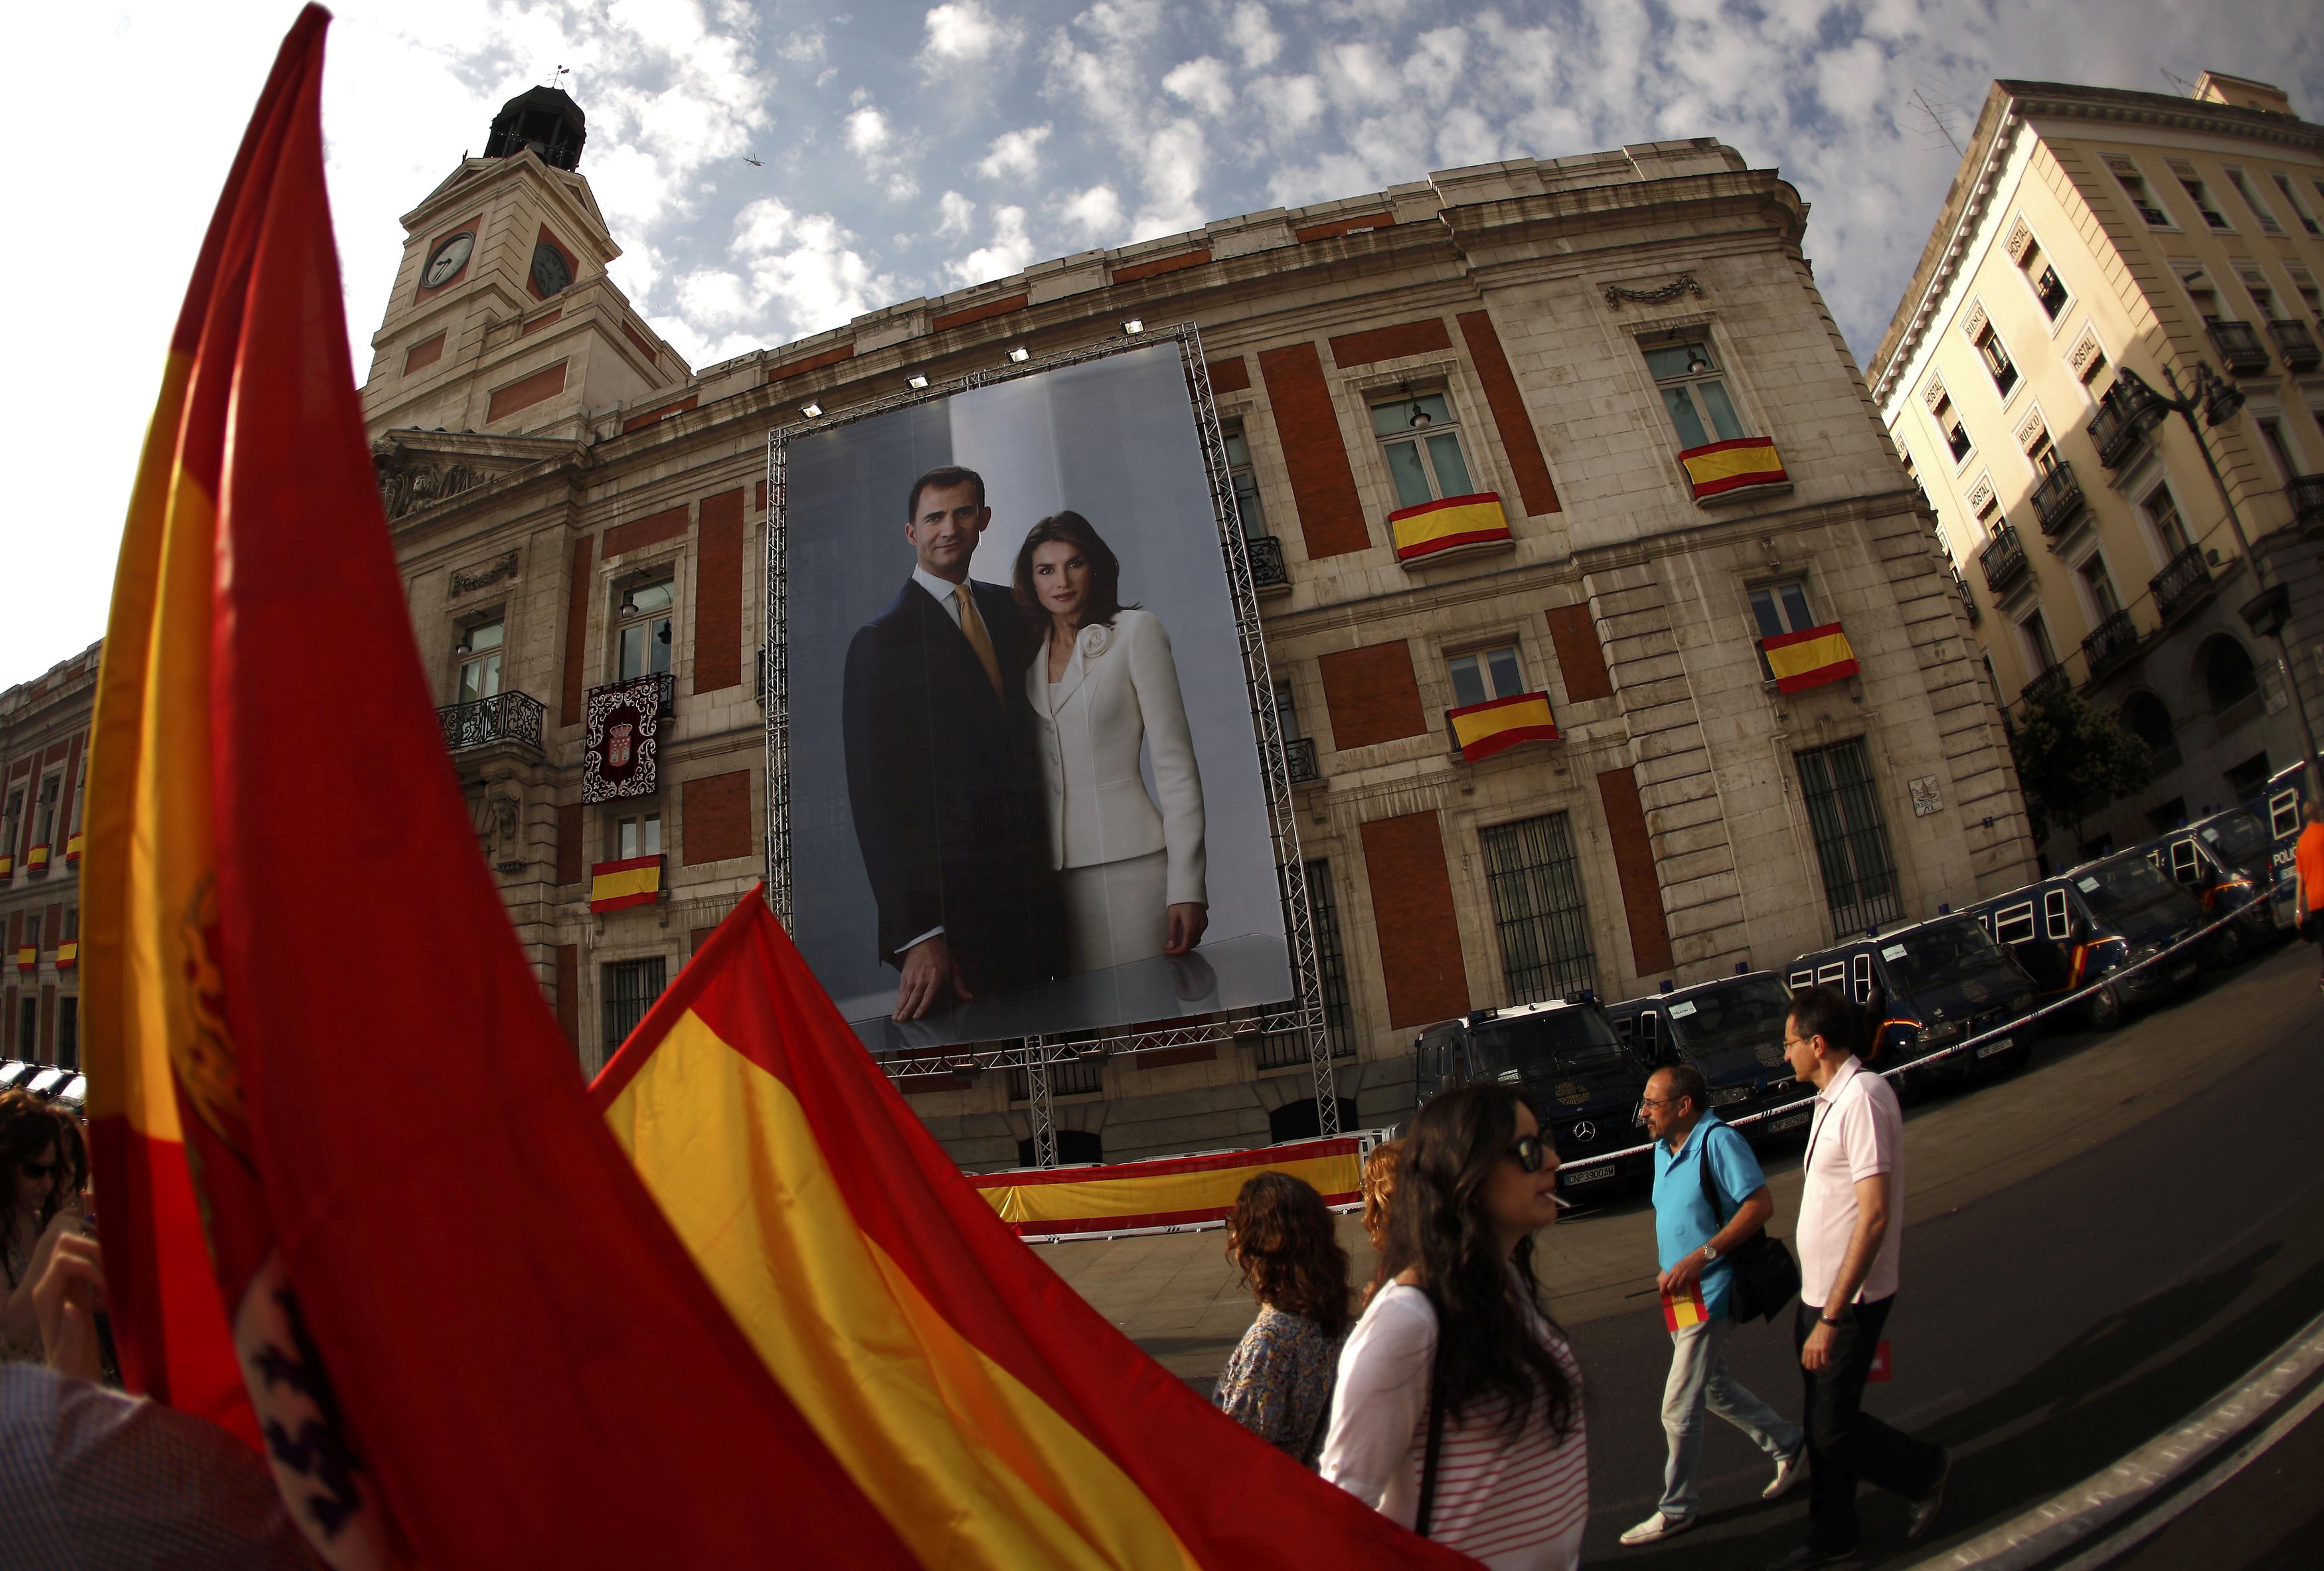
(1034, 1054)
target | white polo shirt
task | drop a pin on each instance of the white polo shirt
(1858, 1132)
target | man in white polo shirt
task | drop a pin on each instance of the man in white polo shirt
(1851, 1234)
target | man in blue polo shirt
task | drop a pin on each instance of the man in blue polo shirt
(1695, 1284)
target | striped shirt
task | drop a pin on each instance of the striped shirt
(1516, 1504)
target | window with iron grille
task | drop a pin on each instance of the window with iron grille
(1535, 883)
(67, 1051)
(631, 987)
(1278, 1050)
(1859, 873)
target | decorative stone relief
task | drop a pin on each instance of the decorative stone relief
(1927, 797)
(1980, 496)
(2087, 354)
(2033, 431)
(2021, 236)
(1974, 323)
(1933, 394)
(468, 580)
(1684, 284)
(406, 483)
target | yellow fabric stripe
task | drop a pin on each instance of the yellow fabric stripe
(1472, 519)
(1472, 729)
(1809, 654)
(1758, 458)
(1162, 1194)
(636, 881)
(967, 1465)
(150, 876)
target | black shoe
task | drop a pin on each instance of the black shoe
(1924, 1509)
(1808, 1555)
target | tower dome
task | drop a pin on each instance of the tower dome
(545, 120)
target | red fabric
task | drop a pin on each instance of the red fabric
(2308, 861)
(531, 1367)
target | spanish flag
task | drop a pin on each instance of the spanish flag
(636, 881)
(1720, 467)
(1811, 658)
(1435, 527)
(1498, 724)
(1684, 1310)
(469, 1335)
(1174, 1192)
(990, 1417)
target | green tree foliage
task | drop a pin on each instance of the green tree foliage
(2073, 759)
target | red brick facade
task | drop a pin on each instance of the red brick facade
(1527, 468)
(1316, 452)
(1634, 864)
(576, 636)
(423, 355)
(1390, 343)
(1581, 658)
(1372, 694)
(718, 594)
(1412, 908)
(571, 852)
(651, 530)
(1228, 374)
(717, 817)
(524, 394)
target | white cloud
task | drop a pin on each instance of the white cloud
(955, 211)
(1008, 253)
(1014, 154)
(1171, 172)
(1254, 35)
(1204, 83)
(1094, 214)
(1291, 105)
(963, 32)
(868, 135)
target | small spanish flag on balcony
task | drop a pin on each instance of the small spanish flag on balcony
(615, 884)
(28, 958)
(36, 859)
(72, 849)
(7, 868)
(1498, 724)
(68, 954)
(1723, 467)
(1433, 528)
(1809, 659)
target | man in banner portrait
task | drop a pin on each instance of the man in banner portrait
(942, 776)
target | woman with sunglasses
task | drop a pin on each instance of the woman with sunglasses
(38, 1176)
(1455, 1356)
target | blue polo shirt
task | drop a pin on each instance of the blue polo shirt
(1684, 1222)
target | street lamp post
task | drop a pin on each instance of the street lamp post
(2268, 611)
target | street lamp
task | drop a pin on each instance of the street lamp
(2266, 613)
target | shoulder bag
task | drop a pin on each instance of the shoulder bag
(1766, 1276)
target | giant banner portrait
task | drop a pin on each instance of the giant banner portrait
(1026, 795)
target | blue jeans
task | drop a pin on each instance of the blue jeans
(1699, 1380)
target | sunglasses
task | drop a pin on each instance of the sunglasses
(1530, 1152)
(36, 1171)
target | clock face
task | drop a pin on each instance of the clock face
(551, 272)
(450, 257)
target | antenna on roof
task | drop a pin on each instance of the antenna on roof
(2186, 88)
(553, 76)
(1936, 114)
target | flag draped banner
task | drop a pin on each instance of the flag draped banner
(468, 1335)
(993, 1418)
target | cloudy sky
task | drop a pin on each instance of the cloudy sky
(906, 150)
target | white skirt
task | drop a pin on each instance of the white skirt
(1117, 911)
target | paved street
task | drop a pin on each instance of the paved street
(2094, 1248)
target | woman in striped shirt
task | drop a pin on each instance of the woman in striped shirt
(1458, 1337)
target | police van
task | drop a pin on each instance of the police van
(1585, 1087)
(2280, 805)
(2223, 861)
(1934, 983)
(2077, 927)
(1732, 1031)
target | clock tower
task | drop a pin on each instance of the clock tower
(502, 322)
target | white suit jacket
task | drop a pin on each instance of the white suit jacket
(1120, 687)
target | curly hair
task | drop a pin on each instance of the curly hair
(1380, 1170)
(29, 1127)
(1486, 1349)
(1279, 1237)
(1102, 602)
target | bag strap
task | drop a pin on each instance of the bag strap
(1429, 1456)
(1709, 1189)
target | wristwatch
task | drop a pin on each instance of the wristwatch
(1827, 1319)
(1709, 1254)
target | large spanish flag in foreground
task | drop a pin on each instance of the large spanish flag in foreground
(470, 1337)
(1809, 658)
(990, 1415)
(1170, 1192)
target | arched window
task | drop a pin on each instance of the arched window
(2228, 677)
(2144, 717)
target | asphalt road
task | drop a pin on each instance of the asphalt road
(2048, 1326)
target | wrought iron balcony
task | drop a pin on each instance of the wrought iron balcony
(1268, 576)
(2058, 500)
(2109, 643)
(2003, 559)
(2296, 343)
(1299, 753)
(505, 717)
(2050, 677)
(2307, 494)
(1968, 600)
(2125, 417)
(2240, 348)
(2180, 583)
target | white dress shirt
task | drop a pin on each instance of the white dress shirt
(1858, 1133)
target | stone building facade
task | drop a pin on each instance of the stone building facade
(43, 777)
(2091, 232)
(1621, 357)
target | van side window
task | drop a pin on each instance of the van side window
(1803, 978)
(2184, 865)
(2283, 815)
(2154, 860)
(1835, 974)
(1626, 1030)
(2014, 924)
(2056, 916)
(1860, 980)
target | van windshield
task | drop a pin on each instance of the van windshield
(1941, 955)
(1571, 1042)
(2237, 839)
(1729, 1028)
(2126, 889)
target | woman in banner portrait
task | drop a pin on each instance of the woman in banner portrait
(1103, 688)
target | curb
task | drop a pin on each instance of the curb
(2108, 1514)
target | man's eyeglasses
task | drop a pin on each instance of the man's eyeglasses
(1660, 1101)
(1529, 1152)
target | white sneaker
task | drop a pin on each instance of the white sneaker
(1656, 1528)
(1787, 1473)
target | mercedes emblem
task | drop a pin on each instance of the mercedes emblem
(1584, 1132)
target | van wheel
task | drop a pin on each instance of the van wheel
(2105, 1010)
(2229, 945)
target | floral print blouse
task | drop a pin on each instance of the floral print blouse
(1278, 1381)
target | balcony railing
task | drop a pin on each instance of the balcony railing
(508, 716)
(2109, 643)
(2004, 559)
(2307, 494)
(2120, 427)
(1299, 752)
(2050, 677)
(2294, 342)
(2240, 348)
(1968, 600)
(1268, 573)
(2058, 500)
(2180, 583)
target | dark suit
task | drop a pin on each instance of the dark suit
(945, 789)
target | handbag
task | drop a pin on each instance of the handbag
(1766, 1276)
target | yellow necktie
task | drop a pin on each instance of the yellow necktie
(973, 625)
